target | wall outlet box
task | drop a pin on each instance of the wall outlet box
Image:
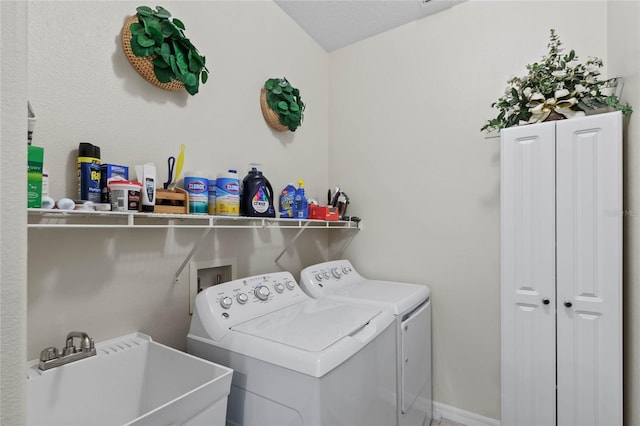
(35, 161)
(203, 275)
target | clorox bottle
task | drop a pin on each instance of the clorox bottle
(228, 193)
(256, 199)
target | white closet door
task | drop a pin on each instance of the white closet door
(589, 256)
(528, 275)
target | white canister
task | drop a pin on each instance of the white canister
(125, 195)
(212, 196)
(228, 193)
(198, 189)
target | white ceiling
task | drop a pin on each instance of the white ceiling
(338, 23)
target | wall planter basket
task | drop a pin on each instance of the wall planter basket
(144, 64)
(271, 117)
(157, 47)
(281, 105)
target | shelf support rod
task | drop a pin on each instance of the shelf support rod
(292, 242)
(195, 248)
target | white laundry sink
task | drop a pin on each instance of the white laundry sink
(131, 381)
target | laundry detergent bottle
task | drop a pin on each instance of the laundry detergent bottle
(300, 203)
(256, 199)
(286, 201)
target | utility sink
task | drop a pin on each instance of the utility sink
(131, 381)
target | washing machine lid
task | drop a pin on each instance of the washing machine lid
(399, 297)
(311, 325)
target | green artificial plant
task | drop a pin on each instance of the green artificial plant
(285, 100)
(174, 56)
(558, 86)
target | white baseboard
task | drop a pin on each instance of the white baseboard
(457, 415)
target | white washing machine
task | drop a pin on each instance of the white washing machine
(411, 306)
(296, 360)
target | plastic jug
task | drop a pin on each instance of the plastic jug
(286, 201)
(256, 197)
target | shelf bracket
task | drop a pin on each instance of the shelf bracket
(292, 242)
(195, 248)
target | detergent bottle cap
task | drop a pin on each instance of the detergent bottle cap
(301, 183)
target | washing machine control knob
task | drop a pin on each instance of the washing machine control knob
(326, 275)
(319, 276)
(345, 270)
(290, 285)
(242, 298)
(336, 272)
(279, 287)
(226, 302)
(262, 292)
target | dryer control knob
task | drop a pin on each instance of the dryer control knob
(279, 287)
(226, 302)
(242, 298)
(336, 272)
(262, 292)
(290, 285)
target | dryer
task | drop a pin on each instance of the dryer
(296, 360)
(411, 307)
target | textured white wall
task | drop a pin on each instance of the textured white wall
(623, 59)
(83, 89)
(13, 236)
(417, 168)
(406, 109)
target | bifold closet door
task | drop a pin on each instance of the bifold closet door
(528, 302)
(589, 270)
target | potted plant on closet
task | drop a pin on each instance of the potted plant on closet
(555, 88)
(158, 49)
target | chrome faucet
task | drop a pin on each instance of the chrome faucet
(50, 357)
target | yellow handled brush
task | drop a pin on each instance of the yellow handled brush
(179, 163)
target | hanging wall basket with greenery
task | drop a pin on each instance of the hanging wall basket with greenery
(281, 105)
(156, 46)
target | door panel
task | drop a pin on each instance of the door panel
(589, 268)
(415, 385)
(528, 274)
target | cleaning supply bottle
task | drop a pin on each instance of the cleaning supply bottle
(301, 204)
(286, 201)
(146, 174)
(88, 172)
(228, 193)
(256, 195)
(197, 186)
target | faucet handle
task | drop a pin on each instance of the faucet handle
(47, 354)
(86, 343)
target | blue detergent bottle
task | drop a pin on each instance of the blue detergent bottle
(301, 204)
(287, 197)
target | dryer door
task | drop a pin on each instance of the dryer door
(415, 334)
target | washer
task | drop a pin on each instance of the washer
(411, 306)
(296, 360)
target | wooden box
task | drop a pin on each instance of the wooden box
(174, 201)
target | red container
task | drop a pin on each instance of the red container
(323, 212)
